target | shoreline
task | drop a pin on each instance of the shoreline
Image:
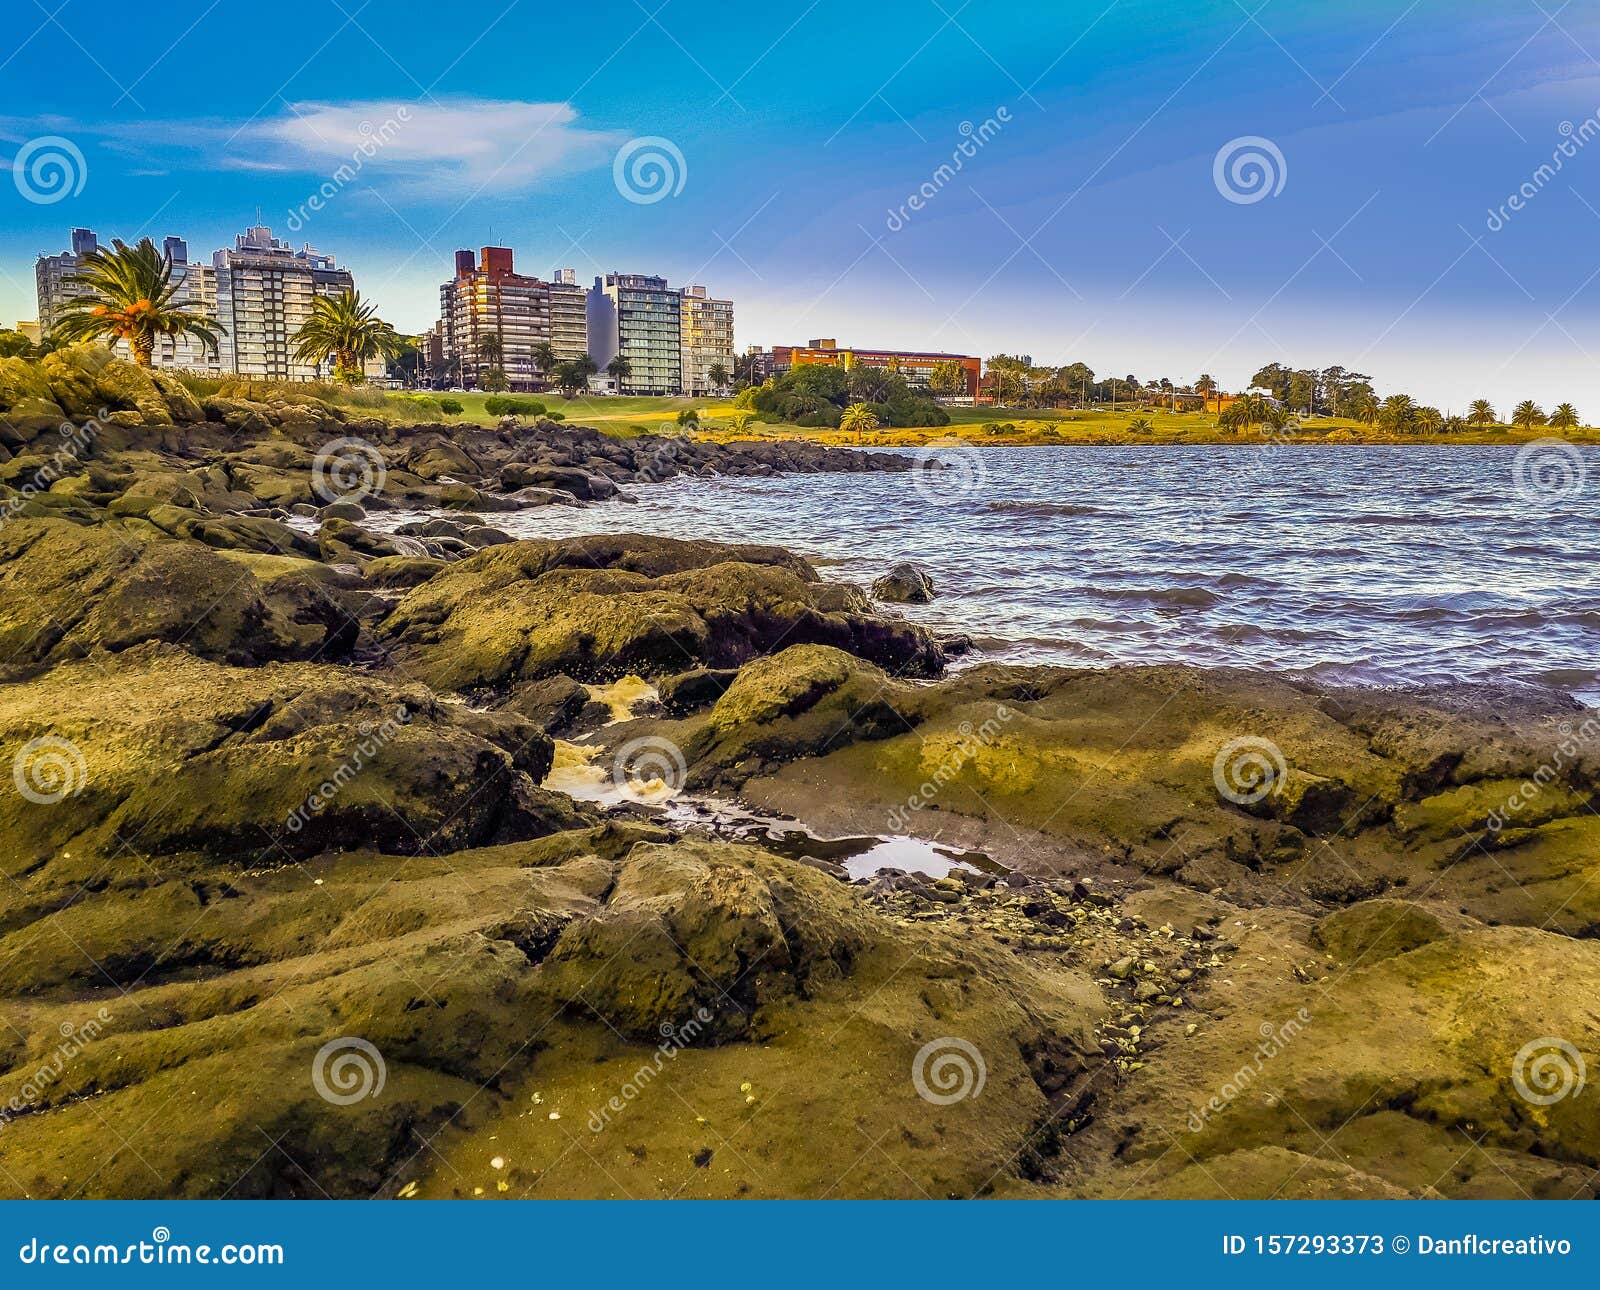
(285, 814)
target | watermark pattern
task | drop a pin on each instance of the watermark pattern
(973, 139)
(75, 442)
(649, 169)
(1249, 169)
(1248, 770)
(1546, 773)
(160, 1250)
(674, 1039)
(49, 769)
(348, 1069)
(1548, 1070)
(373, 740)
(348, 470)
(1547, 472)
(946, 471)
(972, 741)
(1573, 140)
(948, 1070)
(74, 1039)
(1274, 1039)
(373, 140)
(651, 761)
(49, 169)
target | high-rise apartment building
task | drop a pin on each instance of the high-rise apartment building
(492, 317)
(638, 317)
(264, 289)
(705, 330)
(53, 278)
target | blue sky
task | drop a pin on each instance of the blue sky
(1091, 223)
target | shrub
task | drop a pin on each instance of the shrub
(688, 417)
(500, 406)
(451, 407)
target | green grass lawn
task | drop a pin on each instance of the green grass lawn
(628, 416)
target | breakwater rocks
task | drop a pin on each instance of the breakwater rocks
(279, 841)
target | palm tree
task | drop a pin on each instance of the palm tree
(1565, 417)
(1368, 410)
(717, 374)
(544, 357)
(129, 294)
(1141, 425)
(1454, 425)
(617, 369)
(858, 417)
(573, 375)
(1480, 413)
(1398, 414)
(1429, 420)
(1527, 415)
(1248, 410)
(346, 329)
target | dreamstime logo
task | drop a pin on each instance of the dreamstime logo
(973, 139)
(650, 761)
(1548, 471)
(1249, 769)
(347, 1069)
(948, 1070)
(49, 769)
(944, 473)
(49, 169)
(347, 470)
(648, 169)
(1547, 1070)
(373, 139)
(1249, 169)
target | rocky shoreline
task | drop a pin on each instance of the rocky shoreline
(293, 909)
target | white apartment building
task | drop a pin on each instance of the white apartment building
(264, 289)
(53, 276)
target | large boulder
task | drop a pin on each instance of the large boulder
(170, 754)
(904, 584)
(598, 608)
(68, 591)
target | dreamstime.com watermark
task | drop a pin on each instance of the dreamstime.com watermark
(348, 469)
(649, 169)
(1574, 138)
(974, 138)
(374, 739)
(160, 1249)
(74, 1039)
(49, 169)
(1274, 1039)
(49, 769)
(947, 471)
(1248, 769)
(948, 1070)
(1572, 743)
(1548, 1070)
(674, 1039)
(651, 762)
(374, 138)
(1548, 472)
(76, 440)
(347, 1070)
(972, 741)
(1249, 169)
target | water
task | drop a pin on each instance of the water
(1359, 564)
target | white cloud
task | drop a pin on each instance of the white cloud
(497, 145)
(450, 148)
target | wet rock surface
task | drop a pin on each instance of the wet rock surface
(281, 846)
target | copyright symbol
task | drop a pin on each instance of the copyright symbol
(1400, 1244)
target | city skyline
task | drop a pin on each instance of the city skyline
(1005, 188)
